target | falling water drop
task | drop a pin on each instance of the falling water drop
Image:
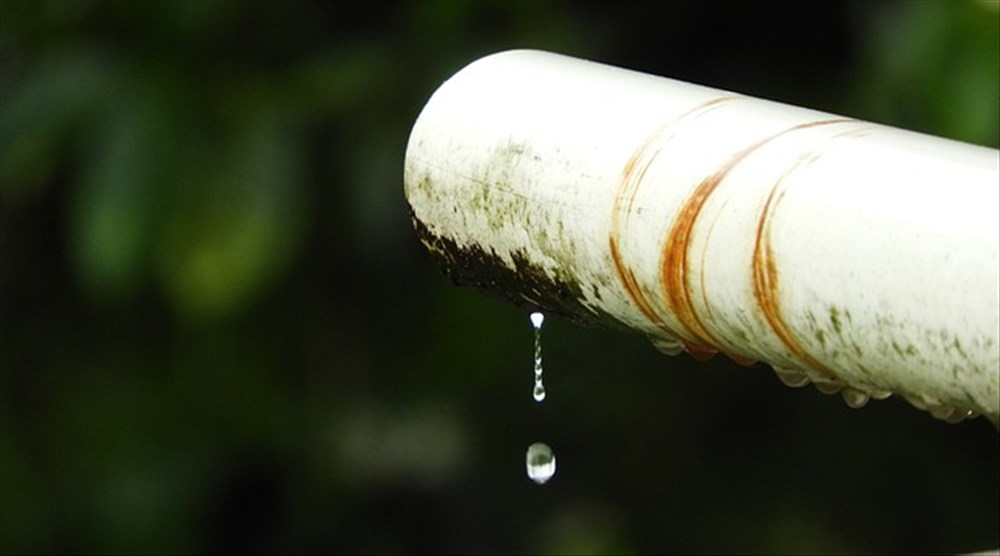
(538, 392)
(540, 462)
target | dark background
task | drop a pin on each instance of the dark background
(219, 331)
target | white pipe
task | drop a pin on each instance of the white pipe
(857, 256)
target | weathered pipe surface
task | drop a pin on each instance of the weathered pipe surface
(856, 256)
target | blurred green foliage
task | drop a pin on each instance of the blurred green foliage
(219, 333)
(934, 67)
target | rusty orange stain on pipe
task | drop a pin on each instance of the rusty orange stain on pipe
(632, 285)
(676, 247)
(765, 285)
(765, 272)
(632, 176)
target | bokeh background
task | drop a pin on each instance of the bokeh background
(219, 332)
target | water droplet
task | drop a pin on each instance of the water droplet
(915, 402)
(828, 387)
(880, 394)
(538, 392)
(959, 415)
(742, 361)
(942, 412)
(537, 319)
(667, 346)
(791, 377)
(540, 462)
(854, 398)
(699, 352)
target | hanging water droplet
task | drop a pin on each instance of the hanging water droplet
(828, 387)
(916, 401)
(791, 377)
(538, 392)
(854, 398)
(741, 360)
(699, 352)
(940, 411)
(959, 415)
(540, 462)
(667, 346)
(537, 319)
